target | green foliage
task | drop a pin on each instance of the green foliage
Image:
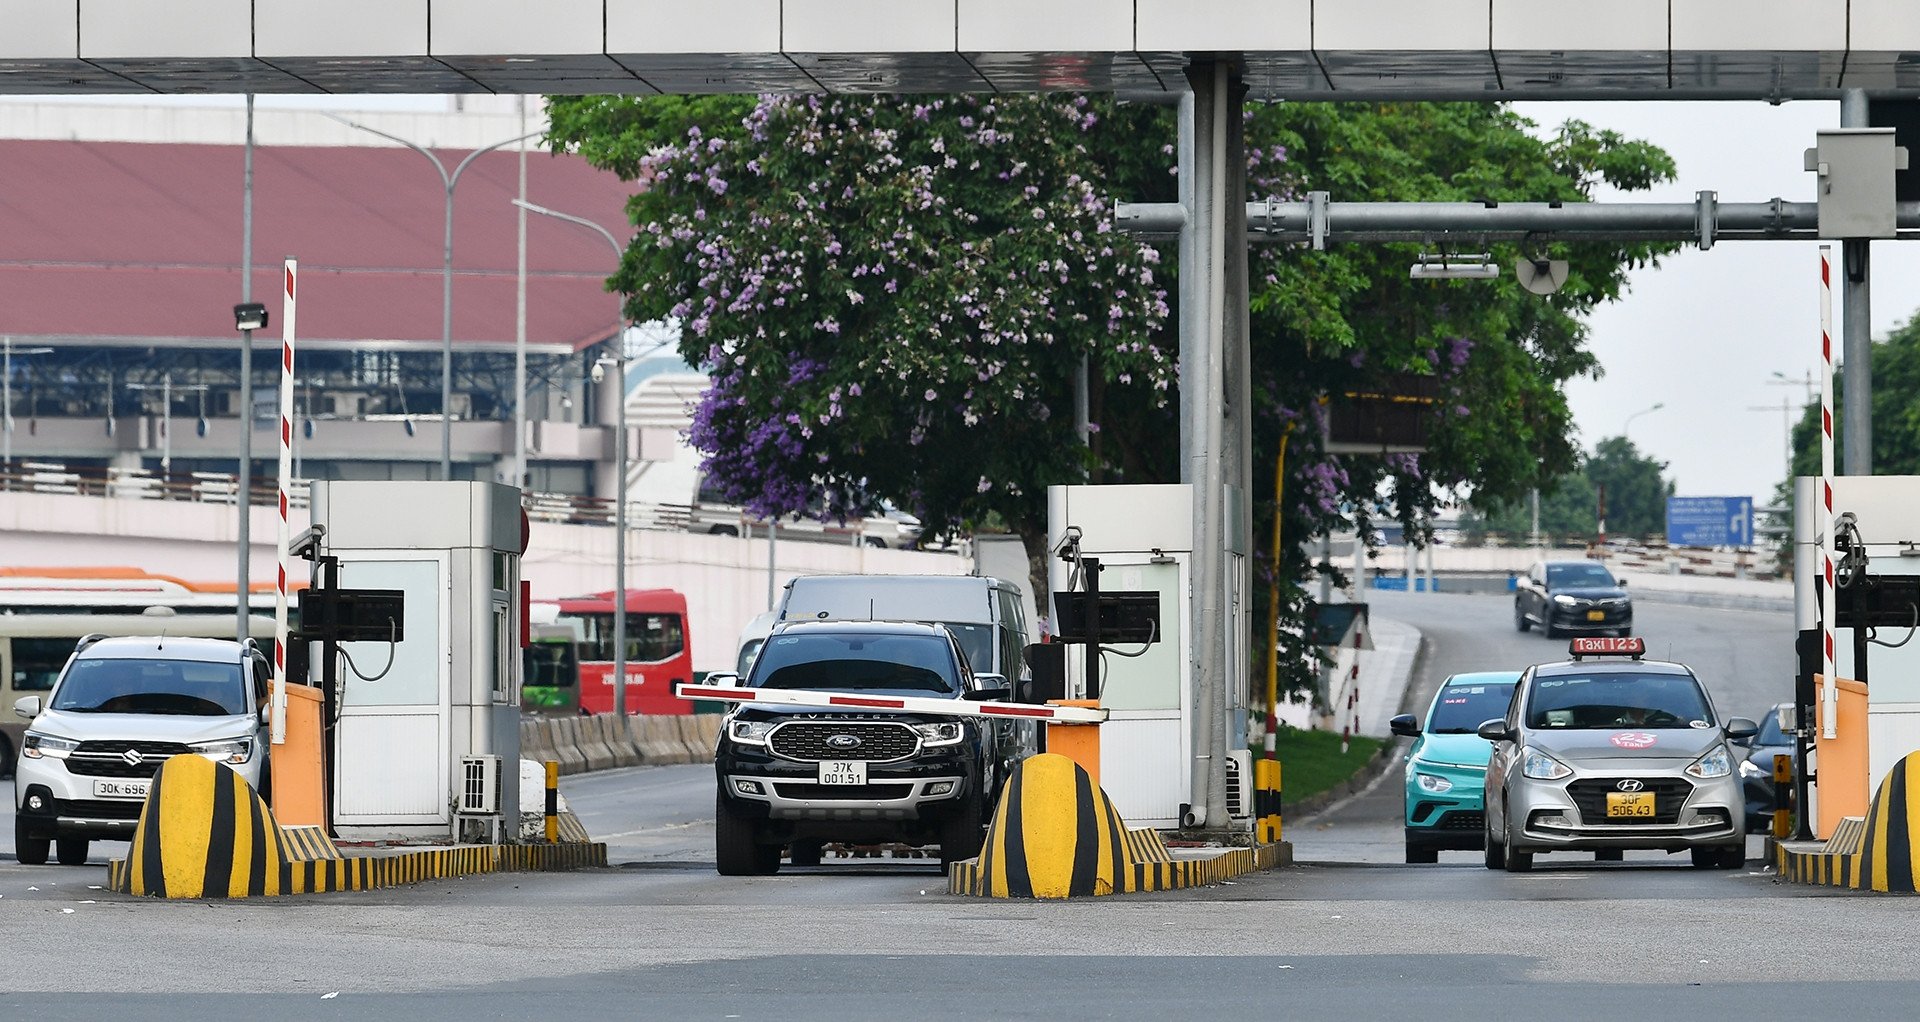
(1311, 761)
(1636, 503)
(892, 294)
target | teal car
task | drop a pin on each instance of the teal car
(1447, 768)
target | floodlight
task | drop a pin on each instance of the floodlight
(250, 316)
(1458, 267)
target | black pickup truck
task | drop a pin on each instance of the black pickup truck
(795, 778)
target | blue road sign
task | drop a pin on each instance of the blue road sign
(1709, 521)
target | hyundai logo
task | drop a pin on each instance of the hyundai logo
(843, 742)
(1630, 785)
(133, 757)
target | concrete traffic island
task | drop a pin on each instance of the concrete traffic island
(1874, 853)
(205, 833)
(1056, 835)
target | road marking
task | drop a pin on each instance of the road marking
(653, 830)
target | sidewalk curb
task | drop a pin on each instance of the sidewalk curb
(1381, 765)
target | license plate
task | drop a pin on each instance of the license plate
(843, 771)
(1596, 615)
(121, 789)
(1631, 804)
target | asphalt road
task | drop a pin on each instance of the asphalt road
(1348, 934)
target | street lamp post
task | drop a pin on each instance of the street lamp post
(6, 401)
(449, 182)
(1629, 424)
(166, 417)
(619, 361)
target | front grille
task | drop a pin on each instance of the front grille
(108, 758)
(847, 792)
(1461, 819)
(880, 741)
(1590, 797)
(102, 809)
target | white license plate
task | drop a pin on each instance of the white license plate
(841, 771)
(121, 789)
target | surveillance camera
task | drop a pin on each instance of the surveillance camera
(250, 316)
(599, 372)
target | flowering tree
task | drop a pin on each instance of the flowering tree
(891, 296)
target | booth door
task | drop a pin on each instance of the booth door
(390, 764)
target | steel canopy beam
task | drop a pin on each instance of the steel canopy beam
(1703, 221)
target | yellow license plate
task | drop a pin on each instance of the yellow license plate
(1630, 804)
(1596, 615)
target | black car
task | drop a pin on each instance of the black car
(796, 778)
(1572, 597)
(1756, 771)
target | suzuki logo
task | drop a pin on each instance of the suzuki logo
(133, 757)
(843, 742)
(1630, 785)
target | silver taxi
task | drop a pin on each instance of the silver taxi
(1607, 752)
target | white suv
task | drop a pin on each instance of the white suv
(119, 709)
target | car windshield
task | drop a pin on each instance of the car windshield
(1616, 700)
(858, 662)
(1560, 576)
(1461, 709)
(186, 687)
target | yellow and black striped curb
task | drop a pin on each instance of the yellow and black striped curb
(204, 833)
(1056, 835)
(1882, 857)
(1266, 800)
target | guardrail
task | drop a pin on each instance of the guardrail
(604, 741)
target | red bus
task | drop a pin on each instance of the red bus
(659, 653)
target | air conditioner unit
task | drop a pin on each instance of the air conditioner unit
(479, 786)
(1239, 782)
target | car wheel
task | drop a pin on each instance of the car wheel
(875, 541)
(1421, 853)
(31, 851)
(1495, 851)
(1720, 857)
(960, 835)
(73, 851)
(1546, 625)
(723, 530)
(1517, 861)
(7, 760)
(805, 853)
(1734, 856)
(737, 851)
(1520, 622)
(1610, 855)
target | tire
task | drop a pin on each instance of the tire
(1546, 626)
(960, 834)
(737, 851)
(1610, 855)
(805, 853)
(723, 530)
(72, 851)
(1421, 853)
(1496, 853)
(7, 760)
(875, 541)
(1734, 856)
(31, 851)
(1720, 857)
(1520, 622)
(1517, 861)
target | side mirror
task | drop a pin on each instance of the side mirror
(988, 695)
(1621, 582)
(27, 706)
(1404, 725)
(266, 715)
(1496, 730)
(1741, 730)
(723, 679)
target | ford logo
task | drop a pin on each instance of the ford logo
(843, 742)
(1630, 785)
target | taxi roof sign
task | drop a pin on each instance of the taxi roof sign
(1632, 646)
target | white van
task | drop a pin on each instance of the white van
(987, 615)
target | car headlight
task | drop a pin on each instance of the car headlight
(1747, 769)
(1433, 785)
(35, 746)
(1565, 601)
(946, 732)
(1716, 763)
(750, 732)
(234, 751)
(1542, 767)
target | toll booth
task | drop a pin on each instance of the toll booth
(1142, 536)
(426, 746)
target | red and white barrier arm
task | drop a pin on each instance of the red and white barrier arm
(904, 704)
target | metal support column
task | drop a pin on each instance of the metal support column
(1856, 418)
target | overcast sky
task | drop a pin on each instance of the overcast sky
(1702, 334)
